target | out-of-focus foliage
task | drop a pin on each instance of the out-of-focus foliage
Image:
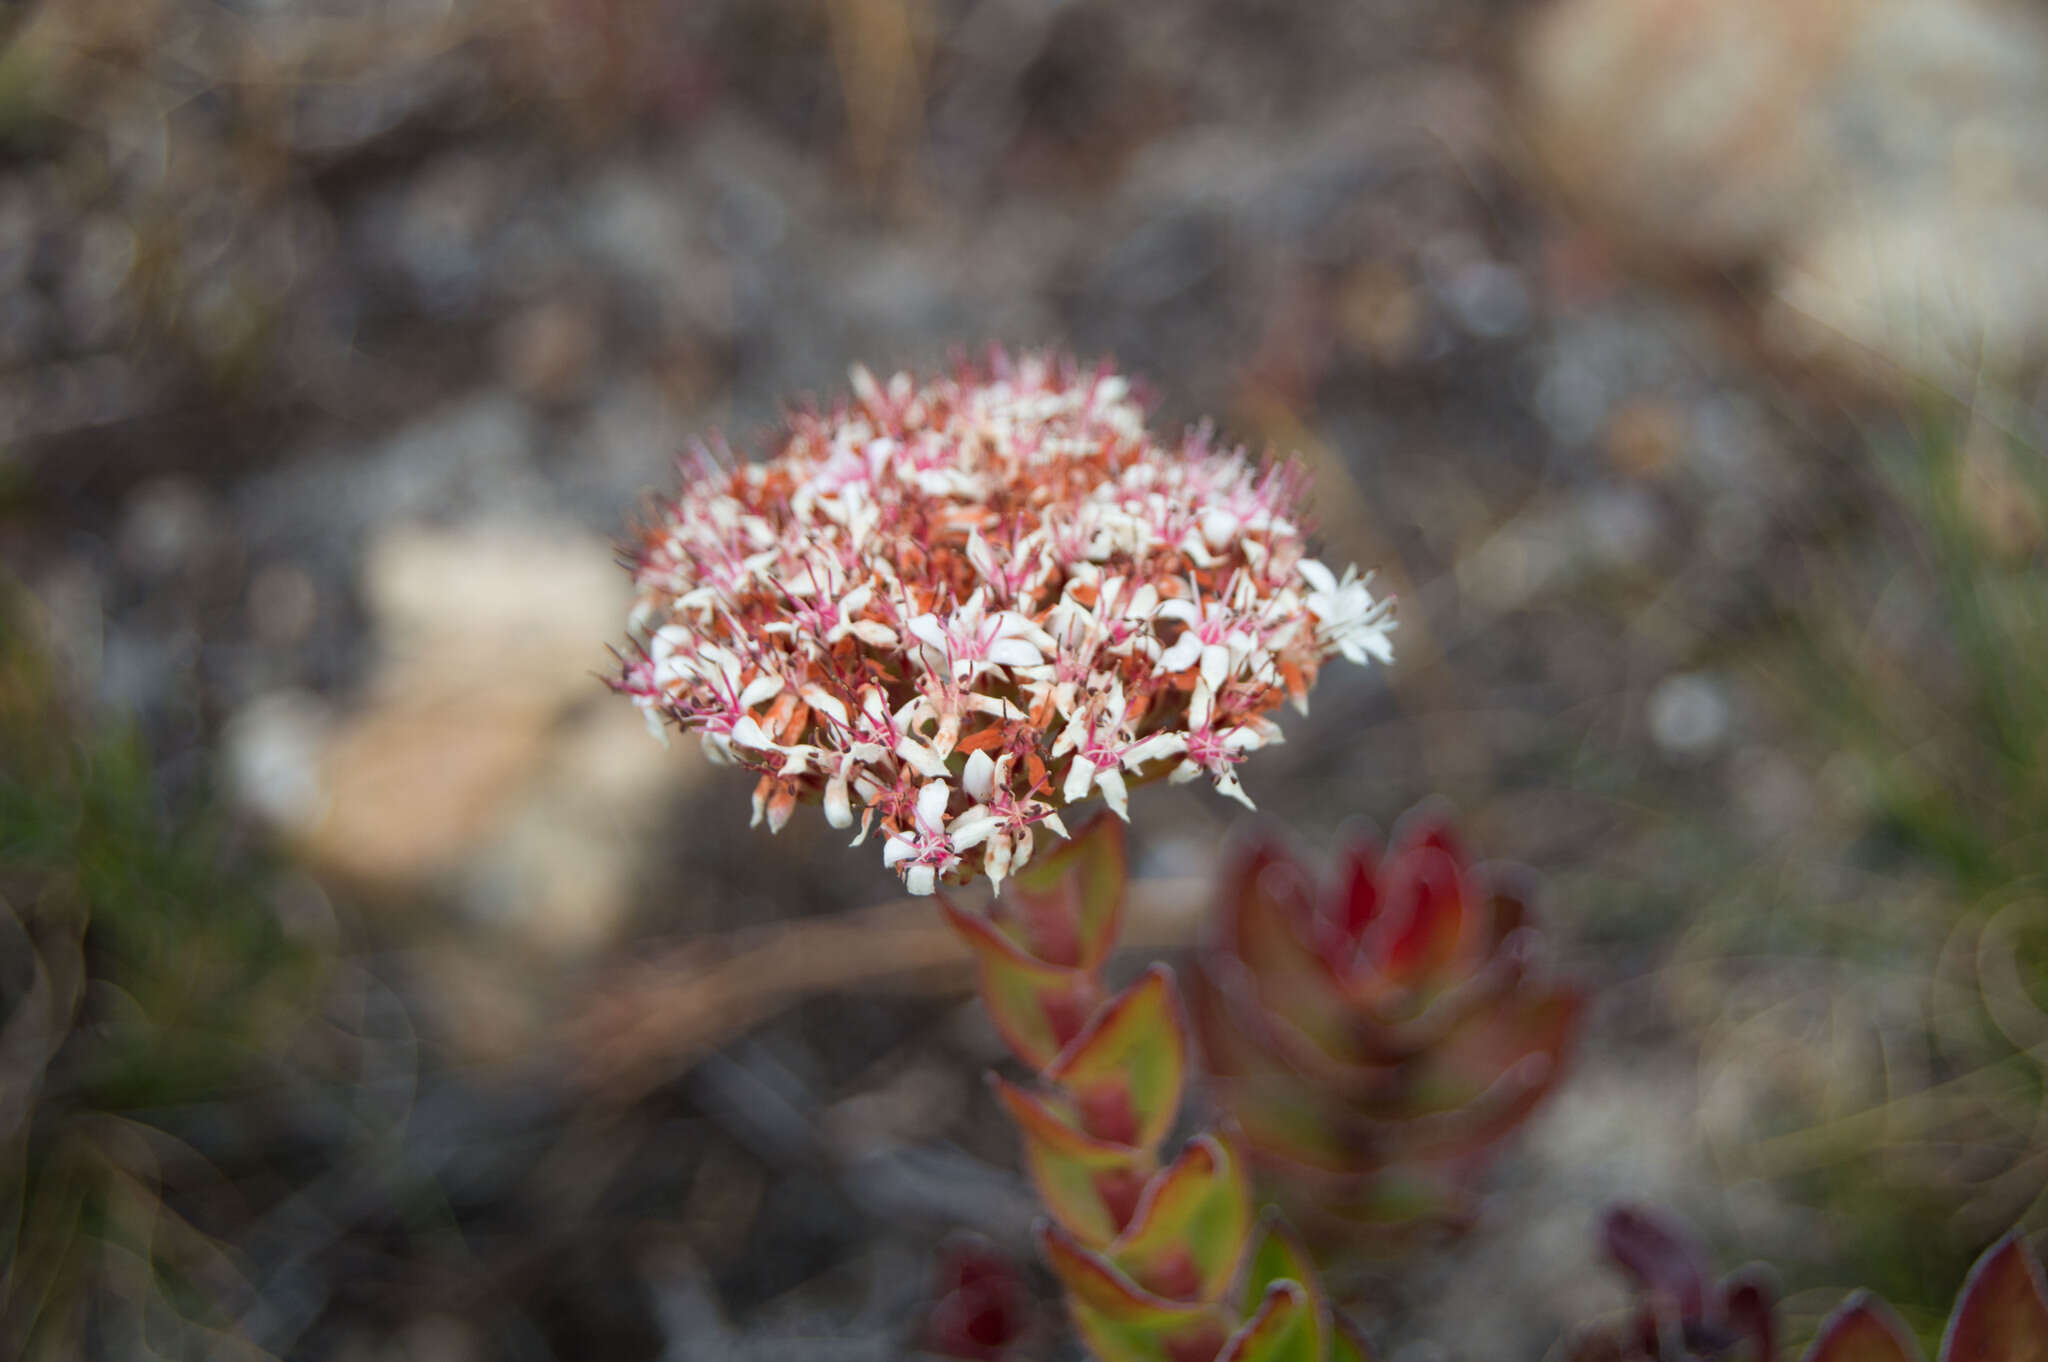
(983, 1310)
(1377, 1037)
(144, 972)
(1681, 1310)
(2000, 1314)
(1162, 1261)
(1934, 691)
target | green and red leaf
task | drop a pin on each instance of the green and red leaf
(2002, 1313)
(1038, 1008)
(1091, 1186)
(1188, 1234)
(1287, 1327)
(1066, 907)
(1126, 1069)
(1266, 918)
(1863, 1330)
(1276, 1255)
(1119, 1320)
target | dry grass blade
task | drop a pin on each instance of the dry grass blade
(655, 1018)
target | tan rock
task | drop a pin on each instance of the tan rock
(1881, 165)
(484, 758)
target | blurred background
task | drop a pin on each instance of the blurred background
(373, 988)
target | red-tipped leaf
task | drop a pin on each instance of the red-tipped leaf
(1127, 1067)
(1285, 1328)
(1189, 1231)
(1038, 1008)
(1066, 907)
(1090, 1186)
(2002, 1313)
(1119, 1320)
(1863, 1330)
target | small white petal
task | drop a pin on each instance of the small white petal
(1052, 820)
(838, 807)
(1226, 784)
(1185, 652)
(1080, 776)
(830, 704)
(971, 829)
(1216, 665)
(921, 879)
(873, 633)
(931, 805)
(1153, 748)
(764, 687)
(1318, 576)
(747, 733)
(898, 849)
(1112, 783)
(921, 759)
(1014, 652)
(978, 779)
(928, 631)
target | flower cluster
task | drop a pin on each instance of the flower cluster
(952, 609)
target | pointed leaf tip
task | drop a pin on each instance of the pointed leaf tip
(2001, 1314)
(1037, 1007)
(1090, 1186)
(1121, 1321)
(1070, 902)
(1276, 1254)
(1285, 1328)
(1189, 1230)
(1863, 1330)
(1127, 1067)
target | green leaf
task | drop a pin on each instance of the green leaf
(1091, 1186)
(1066, 908)
(1038, 1008)
(1276, 1255)
(1347, 1344)
(1119, 1320)
(1863, 1330)
(1188, 1235)
(2002, 1313)
(1127, 1067)
(1285, 1328)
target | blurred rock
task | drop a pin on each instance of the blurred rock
(1880, 162)
(486, 757)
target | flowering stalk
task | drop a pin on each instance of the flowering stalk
(951, 610)
(1163, 1261)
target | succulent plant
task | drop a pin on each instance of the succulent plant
(984, 1310)
(2000, 1315)
(1681, 1310)
(1163, 1260)
(1374, 1037)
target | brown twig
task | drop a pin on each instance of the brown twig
(652, 1020)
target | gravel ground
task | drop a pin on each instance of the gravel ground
(338, 343)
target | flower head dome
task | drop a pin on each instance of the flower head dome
(953, 609)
